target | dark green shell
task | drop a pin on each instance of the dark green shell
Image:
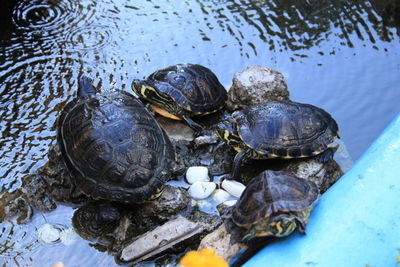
(193, 87)
(286, 129)
(272, 192)
(114, 147)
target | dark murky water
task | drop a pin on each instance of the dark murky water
(341, 55)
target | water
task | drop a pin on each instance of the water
(340, 55)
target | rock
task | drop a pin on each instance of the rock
(205, 140)
(220, 196)
(173, 201)
(217, 157)
(256, 85)
(225, 242)
(201, 190)
(324, 175)
(111, 225)
(233, 187)
(174, 233)
(58, 264)
(48, 234)
(40, 190)
(197, 174)
(176, 130)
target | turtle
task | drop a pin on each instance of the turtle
(182, 91)
(279, 129)
(275, 203)
(113, 146)
(96, 219)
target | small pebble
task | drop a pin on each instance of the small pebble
(68, 236)
(197, 174)
(48, 234)
(58, 264)
(233, 187)
(230, 203)
(201, 190)
(204, 204)
(220, 196)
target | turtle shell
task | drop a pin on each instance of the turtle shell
(286, 129)
(114, 147)
(273, 192)
(193, 87)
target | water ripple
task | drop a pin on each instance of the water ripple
(49, 17)
(89, 37)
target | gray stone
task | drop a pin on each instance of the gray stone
(176, 130)
(324, 175)
(174, 236)
(225, 242)
(256, 85)
(160, 239)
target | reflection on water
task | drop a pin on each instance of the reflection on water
(340, 55)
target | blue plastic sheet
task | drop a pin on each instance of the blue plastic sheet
(356, 222)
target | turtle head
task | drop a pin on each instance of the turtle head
(162, 103)
(279, 225)
(283, 225)
(142, 88)
(150, 91)
(85, 87)
(226, 131)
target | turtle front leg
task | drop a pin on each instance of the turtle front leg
(237, 163)
(327, 155)
(194, 125)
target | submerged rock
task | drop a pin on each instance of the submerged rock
(256, 85)
(41, 190)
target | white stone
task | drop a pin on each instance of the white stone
(233, 187)
(201, 190)
(68, 236)
(230, 203)
(48, 234)
(197, 174)
(220, 196)
(204, 204)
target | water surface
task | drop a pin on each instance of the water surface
(340, 55)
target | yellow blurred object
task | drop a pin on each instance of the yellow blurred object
(202, 258)
(58, 264)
